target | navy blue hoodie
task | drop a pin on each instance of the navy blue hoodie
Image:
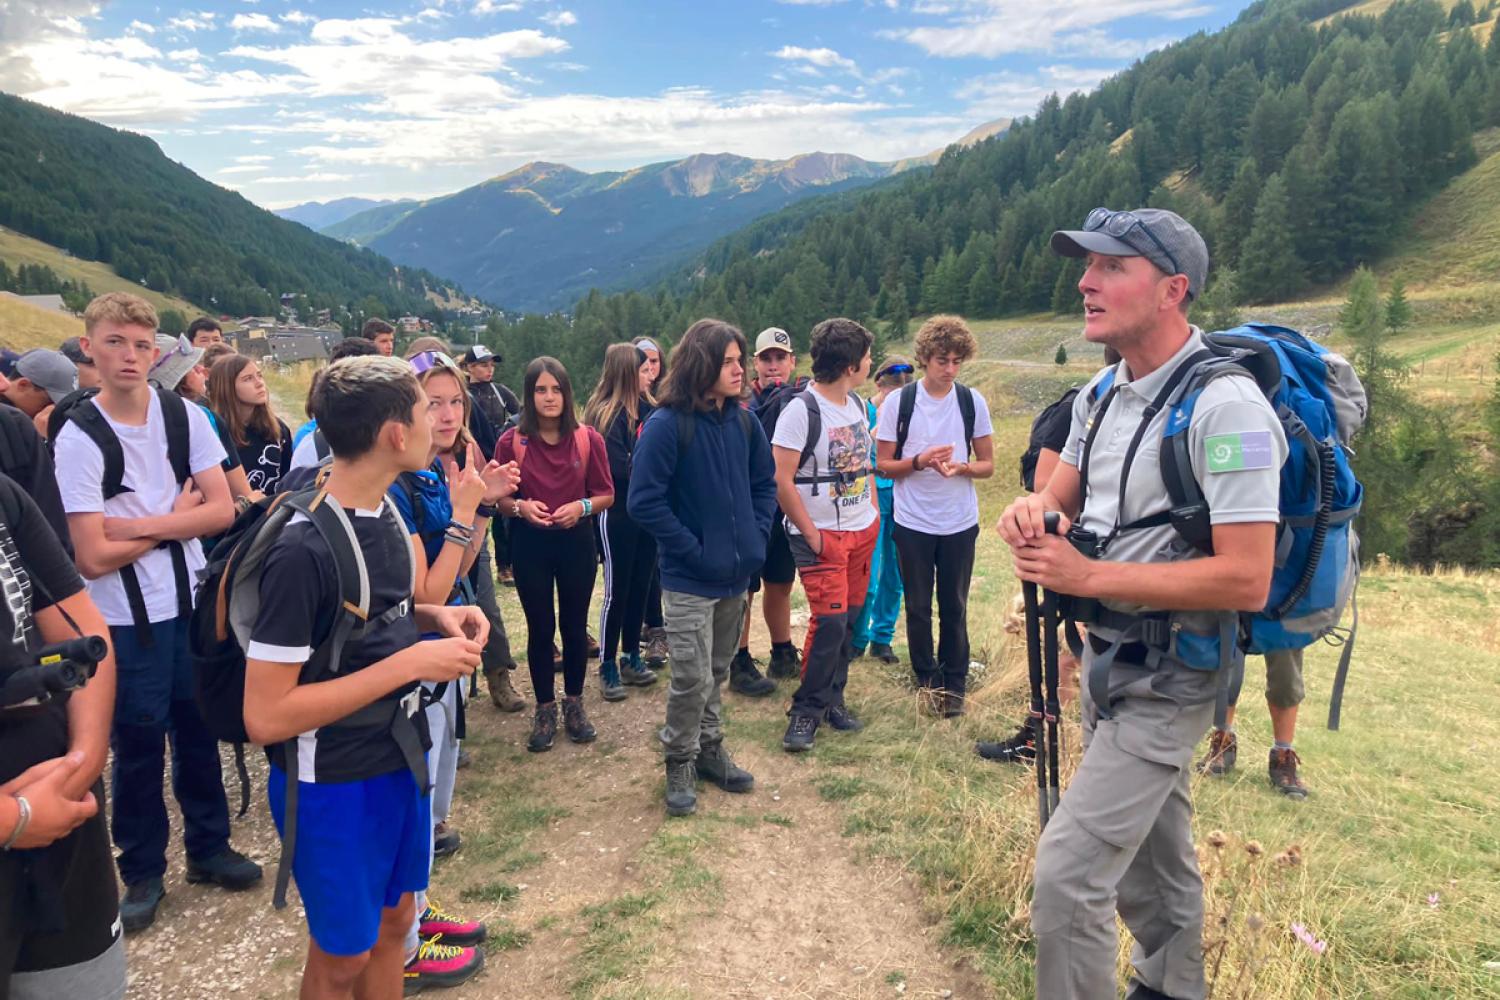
(710, 508)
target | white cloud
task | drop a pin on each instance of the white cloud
(1010, 95)
(823, 58)
(991, 28)
(185, 55)
(141, 28)
(297, 17)
(201, 21)
(560, 18)
(244, 168)
(313, 178)
(254, 22)
(484, 7)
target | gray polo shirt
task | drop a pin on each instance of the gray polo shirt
(1236, 445)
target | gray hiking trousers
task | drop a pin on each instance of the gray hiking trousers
(702, 636)
(1122, 839)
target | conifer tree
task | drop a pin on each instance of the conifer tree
(1269, 268)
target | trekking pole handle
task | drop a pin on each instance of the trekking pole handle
(1050, 522)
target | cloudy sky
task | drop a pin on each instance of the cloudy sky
(294, 100)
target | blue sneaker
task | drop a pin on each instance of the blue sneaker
(609, 681)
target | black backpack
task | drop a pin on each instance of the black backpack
(1035, 443)
(908, 405)
(80, 408)
(228, 601)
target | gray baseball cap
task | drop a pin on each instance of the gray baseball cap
(1164, 238)
(48, 370)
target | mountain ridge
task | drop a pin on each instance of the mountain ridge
(606, 229)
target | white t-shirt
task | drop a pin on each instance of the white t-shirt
(843, 448)
(152, 491)
(926, 501)
(305, 455)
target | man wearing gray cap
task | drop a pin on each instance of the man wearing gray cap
(1121, 838)
(42, 378)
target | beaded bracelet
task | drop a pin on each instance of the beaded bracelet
(588, 506)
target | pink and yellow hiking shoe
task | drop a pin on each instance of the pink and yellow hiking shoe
(440, 965)
(454, 930)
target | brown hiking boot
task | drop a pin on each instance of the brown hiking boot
(1283, 769)
(576, 722)
(931, 702)
(503, 694)
(1223, 749)
(543, 728)
(656, 651)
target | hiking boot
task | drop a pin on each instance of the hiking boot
(1283, 769)
(1223, 748)
(1019, 749)
(610, 687)
(682, 792)
(505, 576)
(634, 673)
(953, 704)
(745, 677)
(228, 868)
(576, 722)
(593, 645)
(445, 842)
(464, 759)
(1140, 991)
(453, 929)
(713, 764)
(656, 646)
(138, 908)
(440, 964)
(503, 694)
(840, 718)
(930, 702)
(799, 734)
(543, 728)
(883, 652)
(786, 662)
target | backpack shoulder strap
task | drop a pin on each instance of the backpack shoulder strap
(966, 410)
(87, 416)
(353, 576)
(745, 426)
(15, 449)
(814, 426)
(518, 448)
(174, 417)
(687, 426)
(320, 445)
(414, 501)
(904, 410)
(581, 442)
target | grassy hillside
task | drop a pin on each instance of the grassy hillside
(17, 249)
(1454, 241)
(23, 326)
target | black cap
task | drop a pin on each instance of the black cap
(480, 353)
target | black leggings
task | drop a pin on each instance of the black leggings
(629, 561)
(541, 559)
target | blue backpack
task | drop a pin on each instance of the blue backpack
(1321, 405)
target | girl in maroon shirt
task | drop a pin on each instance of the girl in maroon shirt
(565, 480)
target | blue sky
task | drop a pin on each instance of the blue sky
(296, 100)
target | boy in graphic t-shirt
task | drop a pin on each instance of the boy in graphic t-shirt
(363, 820)
(937, 509)
(832, 522)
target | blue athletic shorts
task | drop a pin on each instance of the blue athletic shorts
(361, 846)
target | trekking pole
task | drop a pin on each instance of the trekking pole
(1038, 706)
(1052, 708)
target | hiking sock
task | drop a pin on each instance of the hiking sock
(1277, 744)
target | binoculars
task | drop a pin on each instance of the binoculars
(57, 669)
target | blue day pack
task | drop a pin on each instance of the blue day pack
(1321, 405)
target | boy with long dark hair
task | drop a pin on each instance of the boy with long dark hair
(703, 484)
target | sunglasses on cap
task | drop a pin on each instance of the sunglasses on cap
(428, 360)
(897, 369)
(1117, 224)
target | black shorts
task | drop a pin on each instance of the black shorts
(778, 567)
(79, 872)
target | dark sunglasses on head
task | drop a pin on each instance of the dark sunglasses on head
(1117, 224)
(899, 369)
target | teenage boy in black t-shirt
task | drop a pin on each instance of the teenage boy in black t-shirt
(364, 827)
(54, 849)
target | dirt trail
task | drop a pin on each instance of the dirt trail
(768, 899)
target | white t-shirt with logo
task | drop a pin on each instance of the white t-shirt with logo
(843, 448)
(152, 490)
(926, 501)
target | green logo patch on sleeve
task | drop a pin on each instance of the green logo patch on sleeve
(1233, 452)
